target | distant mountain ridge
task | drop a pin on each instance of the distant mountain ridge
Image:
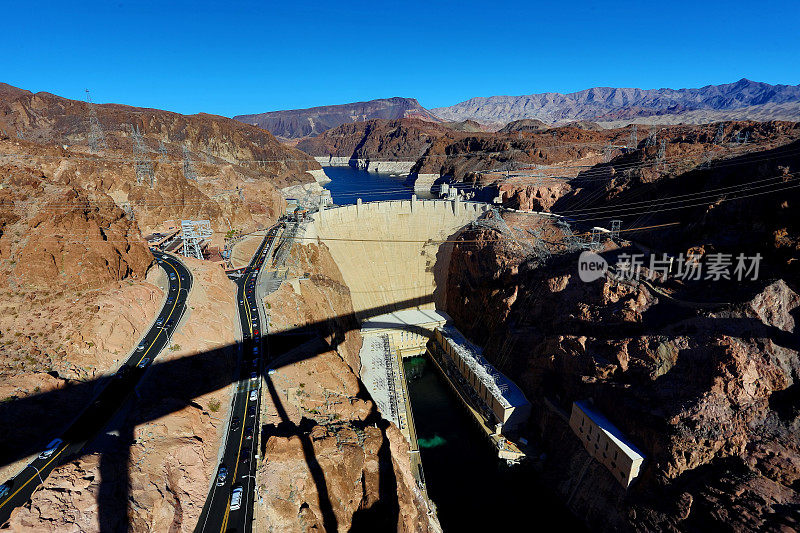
(296, 123)
(601, 104)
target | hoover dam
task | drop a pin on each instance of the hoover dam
(394, 254)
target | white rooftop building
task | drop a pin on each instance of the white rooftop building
(503, 400)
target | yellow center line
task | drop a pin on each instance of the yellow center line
(37, 474)
(246, 390)
(175, 303)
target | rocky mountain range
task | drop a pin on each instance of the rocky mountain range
(744, 99)
(297, 123)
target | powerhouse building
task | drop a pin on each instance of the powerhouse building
(502, 404)
(605, 442)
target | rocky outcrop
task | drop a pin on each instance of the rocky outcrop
(330, 462)
(88, 243)
(227, 195)
(526, 124)
(239, 168)
(540, 196)
(705, 181)
(709, 395)
(445, 152)
(47, 118)
(376, 140)
(316, 120)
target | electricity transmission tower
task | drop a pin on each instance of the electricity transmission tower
(633, 144)
(742, 137)
(128, 211)
(97, 139)
(608, 151)
(162, 150)
(142, 163)
(652, 138)
(720, 136)
(616, 225)
(194, 232)
(572, 240)
(662, 150)
(188, 169)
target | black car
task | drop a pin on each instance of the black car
(251, 410)
(235, 423)
(248, 432)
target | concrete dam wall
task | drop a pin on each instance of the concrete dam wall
(390, 253)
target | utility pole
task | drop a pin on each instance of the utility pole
(142, 163)
(97, 139)
(188, 169)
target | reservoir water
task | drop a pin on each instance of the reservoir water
(472, 489)
(349, 183)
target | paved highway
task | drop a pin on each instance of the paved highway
(111, 397)
(221, 512)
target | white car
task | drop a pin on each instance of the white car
(253, 395)
(51, 449)
(236, 498)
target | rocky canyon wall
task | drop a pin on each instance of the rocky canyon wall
(331, 462)
(709, 395)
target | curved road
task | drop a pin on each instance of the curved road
(242, 439)
(112, 396)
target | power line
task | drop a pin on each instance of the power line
(621, 210)
(572, 213)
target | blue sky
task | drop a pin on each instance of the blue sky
(234, 57)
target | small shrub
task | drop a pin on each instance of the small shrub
(214, 405)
